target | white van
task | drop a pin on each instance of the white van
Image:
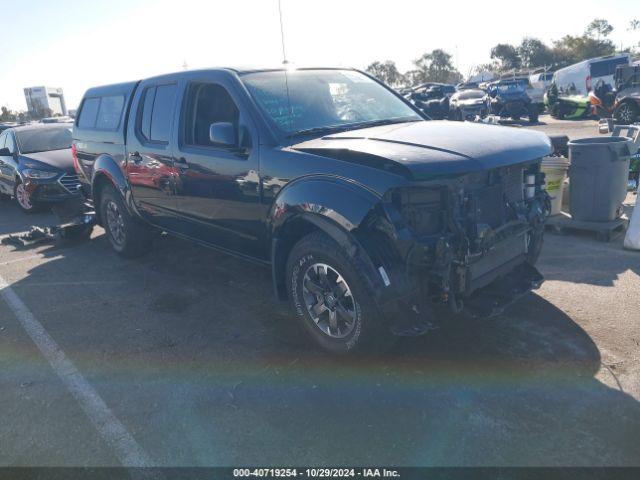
(578, 79)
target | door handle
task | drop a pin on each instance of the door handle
(135, 157)
(181, 163)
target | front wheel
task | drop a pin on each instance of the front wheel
(23, 199)
(128, 236)
(333, 298)
(626, 114)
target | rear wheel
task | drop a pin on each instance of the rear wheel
(128, 236)
(332, 297)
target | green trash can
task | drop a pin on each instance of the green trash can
(598, 173)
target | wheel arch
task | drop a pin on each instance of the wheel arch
(107, 172)
(335, 207)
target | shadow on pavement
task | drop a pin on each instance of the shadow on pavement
(191, 353)
(13, 220)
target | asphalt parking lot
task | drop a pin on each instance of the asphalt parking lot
(187, 351)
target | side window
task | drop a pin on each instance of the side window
(157, 112)
(89, 113)
(3, 138)
(110, 112)
(207, 103)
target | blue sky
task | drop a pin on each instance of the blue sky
(77, 44)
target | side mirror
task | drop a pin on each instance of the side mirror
(4, 152)
(223, 133)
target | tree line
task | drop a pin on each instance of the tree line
(530, 54)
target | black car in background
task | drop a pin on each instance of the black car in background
(468, 104)
(36, 165)
(509, 99)
(433, 99)
(627, 102)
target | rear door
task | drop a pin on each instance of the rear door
(218, 185)
(149, 163)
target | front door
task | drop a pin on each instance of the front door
(8, 163)
(218, 185)
(149, 164)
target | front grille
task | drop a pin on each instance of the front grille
(71, 183)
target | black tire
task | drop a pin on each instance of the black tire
(22, 205)
(367, 331)
(626, 113)
(128, 236)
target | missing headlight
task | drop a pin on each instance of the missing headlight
(422, 209)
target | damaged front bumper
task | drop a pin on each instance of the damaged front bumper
(470, 245)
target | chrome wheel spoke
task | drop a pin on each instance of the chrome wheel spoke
(333, 320)
(318, 309)
(341, 289)
(322, 274)
(23, 197)
(329, 300)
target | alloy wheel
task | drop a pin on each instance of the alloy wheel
(115, 223)
(22, 197)
(625, 114)
(329, 300)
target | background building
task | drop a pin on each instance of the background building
(45, 101)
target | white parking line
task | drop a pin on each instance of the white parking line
(112, 431)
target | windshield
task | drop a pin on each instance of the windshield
(44, 139)
(324, 99)
(512, 87)
(471, 94)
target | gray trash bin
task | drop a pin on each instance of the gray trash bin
(598, 174)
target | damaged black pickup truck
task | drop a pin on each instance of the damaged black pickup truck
(372, 219)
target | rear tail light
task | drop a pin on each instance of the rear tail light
(588, 83)
(76, 164)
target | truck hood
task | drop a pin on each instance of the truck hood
(430, 149)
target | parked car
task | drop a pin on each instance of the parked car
(433, 99)
(36, 165)
(468, 104)
(370, 217)
(5, 126)
(60, 119)
(538, 85)
(627, 104)
(568, 94)
(510, 99)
